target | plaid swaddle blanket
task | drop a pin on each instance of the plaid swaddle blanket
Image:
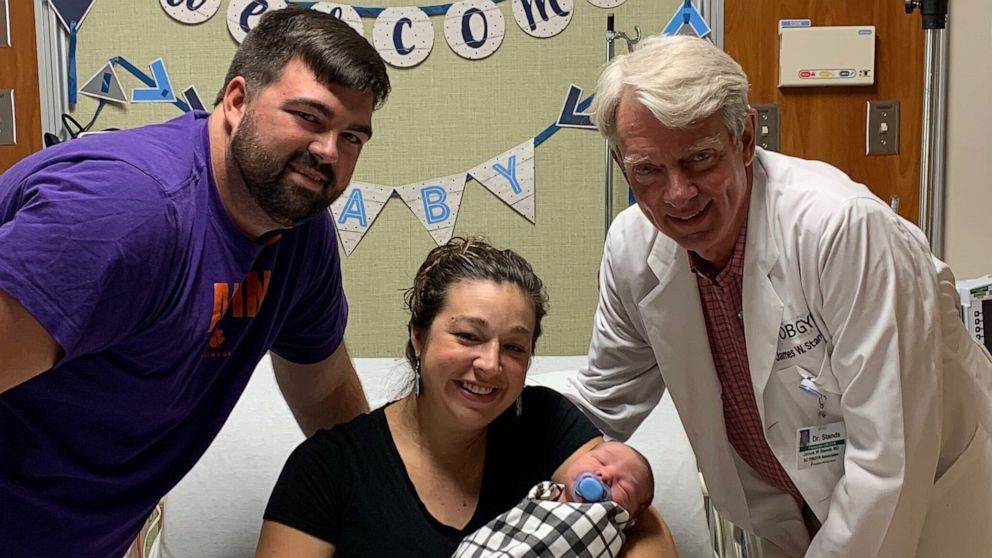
(541, 527)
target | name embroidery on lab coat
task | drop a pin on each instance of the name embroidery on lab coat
(797, 337)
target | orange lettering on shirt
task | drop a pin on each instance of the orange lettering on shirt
(256, 288)
(221, 291)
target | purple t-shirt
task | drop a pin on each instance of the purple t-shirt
(119, 246)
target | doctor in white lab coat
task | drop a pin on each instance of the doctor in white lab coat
(869, 390)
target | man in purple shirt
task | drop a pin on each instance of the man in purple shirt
(144, 273)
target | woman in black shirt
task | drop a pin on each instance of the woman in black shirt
(416, 476)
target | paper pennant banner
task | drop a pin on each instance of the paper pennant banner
(543, 19)
(193, 98)
(435, 203)
(404, 37)
(356, 209)
(511, 177)
(570, 115)
(190, 12)
(686, 21)
(71, 10)
(105, 85)
(474, 28)
(161, 91)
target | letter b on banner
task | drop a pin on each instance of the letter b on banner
(435, 210)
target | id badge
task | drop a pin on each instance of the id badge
(821, 445)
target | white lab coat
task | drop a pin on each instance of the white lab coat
(830, 269)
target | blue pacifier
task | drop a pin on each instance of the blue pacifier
(588, 488)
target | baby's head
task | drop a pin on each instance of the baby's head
(620, 467)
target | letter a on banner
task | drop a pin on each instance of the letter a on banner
(435, 203)
(511, 177)
(356, 209)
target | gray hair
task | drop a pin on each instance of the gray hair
(682, 80)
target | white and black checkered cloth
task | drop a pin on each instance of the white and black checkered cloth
(541, 527)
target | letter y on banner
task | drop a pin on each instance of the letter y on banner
(510, 176)
(436, 202)
(356, 209)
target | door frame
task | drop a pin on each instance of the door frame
(52, 62)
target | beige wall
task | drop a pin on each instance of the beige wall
(968, 209)
(444, 116)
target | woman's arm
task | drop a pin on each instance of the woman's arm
(649, 537)
(280, 541)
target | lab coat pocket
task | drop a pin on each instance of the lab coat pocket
(959, 515)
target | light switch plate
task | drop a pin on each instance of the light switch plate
(768, 132)
(8, 127)
(882, 130)
(4, 24)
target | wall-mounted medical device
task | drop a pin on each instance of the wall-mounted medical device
(826, 56)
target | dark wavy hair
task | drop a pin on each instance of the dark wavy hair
(333, 51)
(468, 259)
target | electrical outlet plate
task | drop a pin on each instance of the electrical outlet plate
(4, 24)
(768, 133)
(882, 130)
(8, 127)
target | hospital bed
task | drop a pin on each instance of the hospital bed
(216, 510)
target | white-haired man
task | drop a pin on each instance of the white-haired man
(808, 338)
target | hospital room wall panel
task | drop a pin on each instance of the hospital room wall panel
(829, 123)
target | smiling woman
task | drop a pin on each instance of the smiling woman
(465, 445)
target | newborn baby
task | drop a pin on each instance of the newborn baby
(608, 487)
(611, 471)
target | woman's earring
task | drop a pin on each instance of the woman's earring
(520, 405)
(416, 379)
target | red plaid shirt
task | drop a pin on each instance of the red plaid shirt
(720, 293)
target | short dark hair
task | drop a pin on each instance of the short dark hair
(468, 259)
(333, 51)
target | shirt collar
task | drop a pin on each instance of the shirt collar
(734, 268)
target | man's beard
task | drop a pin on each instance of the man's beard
(266, 178)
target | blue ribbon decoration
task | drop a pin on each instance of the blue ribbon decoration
(550, 130)
(72, 63)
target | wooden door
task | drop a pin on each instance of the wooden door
(829, 123)
(19, 71)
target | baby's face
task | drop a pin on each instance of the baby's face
(620, 468)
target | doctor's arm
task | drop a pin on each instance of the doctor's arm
(879, 304)
(26, 348)
(621, 383)
(321, 394)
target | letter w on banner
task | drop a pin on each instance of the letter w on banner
(356, 209)
(511, 177)
(436, 202)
